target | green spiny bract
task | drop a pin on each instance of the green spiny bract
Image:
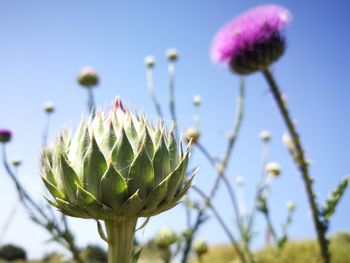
(116, 166)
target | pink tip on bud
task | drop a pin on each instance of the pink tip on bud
(118, 104)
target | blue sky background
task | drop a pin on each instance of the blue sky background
(44, 44)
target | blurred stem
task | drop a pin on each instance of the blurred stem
(260, 186)
(150, 86)
(301, 164)
(91, 100)
(120, 235)
(8, 222)
(270, 227)
(233, 241)
(221, 175)
(39, 216)
(46, 128)
(171, 73)
(232, 139)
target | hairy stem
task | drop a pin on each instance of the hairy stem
(300, 161)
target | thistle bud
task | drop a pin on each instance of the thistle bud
(172, 54)
(88, 77)
(192, 134)
(150, 61)
(200, 247)
(49, 107)
(117, 166)
(5, 135)
(273, 169)
(287, 141)
(165, 237)
(197, 100)
(290, 206)
(265, 136)
(16, 161)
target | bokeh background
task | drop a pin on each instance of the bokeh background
(44, 44)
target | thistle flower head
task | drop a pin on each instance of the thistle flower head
(88, 77)
(5, 135)
(253, 40)
(117, 165)
(150, 61)
(172, 55)
(49, 107)
(192, 135)
(265, 136)
(165, 237)
(273, 169)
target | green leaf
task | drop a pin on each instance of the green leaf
(334, 198)
(122, 154)
(78, 150)
(132, 206)
(145, 139)
(130, 131)
(141, 174)
(156, 196)
(114, 190)
(173, 151)
(68, 177)
(97, 127)
(94, 167)
(136, 256)
(46, 170)
(161, 161)
(86, 199)
(108, 140)
(177, 177)
(53, 189)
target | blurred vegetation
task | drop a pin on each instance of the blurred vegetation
(12, 252)
(305, 251)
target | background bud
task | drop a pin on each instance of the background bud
(165, 237)
(200, 247)
(49, 107)
(16, 161)
(290, 205)
(150, 61)
(171, 54)
(88, 77)
(192, 134)
(197, 100)
(273, 169)
(265, 136)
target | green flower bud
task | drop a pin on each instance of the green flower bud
(88, 77)
(165, 237)
(200, 247)
(116, 166)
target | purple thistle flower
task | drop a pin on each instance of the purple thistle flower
(5, 135)
(253, 40)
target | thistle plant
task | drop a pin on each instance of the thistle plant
(250, 43)
(117, 168)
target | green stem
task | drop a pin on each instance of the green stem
(171, 72)
(120, 234)
(302, 165)
(91, 101)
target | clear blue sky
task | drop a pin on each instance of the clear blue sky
(44, 44)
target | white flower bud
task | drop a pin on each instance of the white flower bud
(150, 61)
(265, 136)
(49, 107)
(172, 54)
(273, 169)
(197, 100)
